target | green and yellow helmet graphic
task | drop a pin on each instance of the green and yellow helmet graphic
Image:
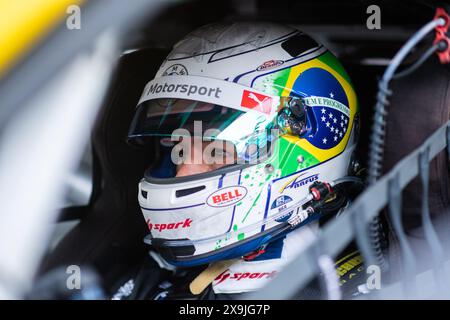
(331, 109)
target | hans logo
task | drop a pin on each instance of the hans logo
(226, 196)
(269, 65)
(280, 204)
(297, 182)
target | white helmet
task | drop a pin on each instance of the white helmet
(289, 111)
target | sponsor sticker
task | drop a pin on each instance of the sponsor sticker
(299, 181)
(256, 101)
(226, 196)
(280, 204)
(169, 226)
(238, 276)
(176, 69)
(269, 65)
(188, 89)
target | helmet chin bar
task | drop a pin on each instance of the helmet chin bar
(181, 252)
(175, 254)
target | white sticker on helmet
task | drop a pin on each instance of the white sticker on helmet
(220, 92)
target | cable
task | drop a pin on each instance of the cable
(417, 64)
(377, 138)
(378, 132)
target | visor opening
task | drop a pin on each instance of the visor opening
(186, 192)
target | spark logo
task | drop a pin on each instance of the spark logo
(256, 101)
(169, 226)
(238, 276)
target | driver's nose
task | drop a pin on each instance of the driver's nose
(190, 169)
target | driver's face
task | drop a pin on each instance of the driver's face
(207, 156)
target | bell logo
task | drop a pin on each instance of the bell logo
(169, 226)
(226, 196)
(238, 276)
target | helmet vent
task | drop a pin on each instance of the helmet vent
(298, 44)
(186, 192)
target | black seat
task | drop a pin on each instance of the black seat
(109, 236)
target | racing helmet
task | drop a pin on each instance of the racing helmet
(279, 101)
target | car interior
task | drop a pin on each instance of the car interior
(109, 229)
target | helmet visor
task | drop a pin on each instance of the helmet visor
(216, 110)
(248, 133)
